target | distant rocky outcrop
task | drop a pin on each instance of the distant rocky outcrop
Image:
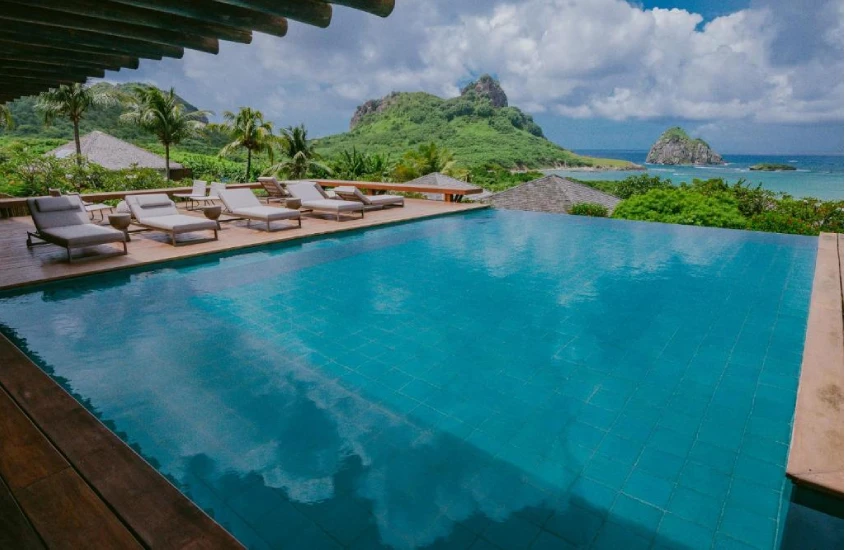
(487, 86)
(676, 147)
(372, 106)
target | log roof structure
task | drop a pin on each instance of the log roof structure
(46, 43)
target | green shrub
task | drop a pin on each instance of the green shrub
(589, 209)
(683, 206)
(779, 222)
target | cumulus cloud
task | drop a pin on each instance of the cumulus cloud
(774, 62)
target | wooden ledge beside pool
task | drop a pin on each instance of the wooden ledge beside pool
(815, 455)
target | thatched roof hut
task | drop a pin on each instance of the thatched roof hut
(551, 193)
(115, 154)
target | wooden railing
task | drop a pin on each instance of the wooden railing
(450, 194)
(17, 205)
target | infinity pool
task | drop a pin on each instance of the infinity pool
(491, 380)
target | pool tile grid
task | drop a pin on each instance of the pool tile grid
(625, 440)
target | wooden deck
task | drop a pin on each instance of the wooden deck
(21, 266)
(815, 456)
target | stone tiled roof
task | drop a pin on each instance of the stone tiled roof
(442, 180)
(112, 153)
(551, 193)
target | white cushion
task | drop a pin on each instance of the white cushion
(266, 213)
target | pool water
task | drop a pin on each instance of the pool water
(490, 380)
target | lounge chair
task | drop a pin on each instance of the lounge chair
(63, 221)
(197, 196)
(159, 213)
(276, 191)
(314, 198)
(351, 193)
(214, 190)
(90, 207)
(244, 203)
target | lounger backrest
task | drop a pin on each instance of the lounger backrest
(198, 189)
(239, 198)
(306, 191)
(272, 186)
(151, 206)
(215, 189)
(351, 193)
(50, 212)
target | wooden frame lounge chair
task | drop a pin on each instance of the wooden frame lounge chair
(197, 196)
(276, 191)
(314, 198)
(351, 193)
(244, 203)
(159, 213)
(63, 221)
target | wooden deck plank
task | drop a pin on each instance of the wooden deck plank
(68, 514)
(58, 504)
(816, 452)
(15, 530)
(158, 514)
(25, 455)
(20, 266)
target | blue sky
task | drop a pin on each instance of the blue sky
(750, 76)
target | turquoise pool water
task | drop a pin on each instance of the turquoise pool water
(492, 380)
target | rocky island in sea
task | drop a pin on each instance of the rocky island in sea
(772, 167)
(676, 147)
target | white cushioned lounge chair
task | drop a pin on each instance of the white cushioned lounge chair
(197, 196)
(244, 203)
(159, 213)
(351, 193)
(63, 221)
(314, 198)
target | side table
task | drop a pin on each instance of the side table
(122, 223)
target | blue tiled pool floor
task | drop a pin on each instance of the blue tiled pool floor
(495, 380)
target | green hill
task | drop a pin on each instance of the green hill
(478, 127)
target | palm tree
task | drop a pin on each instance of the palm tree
(425, 159)
(300, 157)
(163, 114)
(72, 101)
(247, 129)
(6, 120)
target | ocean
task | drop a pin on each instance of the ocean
(818, 176)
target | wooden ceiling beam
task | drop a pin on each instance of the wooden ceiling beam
(382, 8)
(18, 67)
(43, 54)
(213, 11)
(120, 13)
(311, 12)
(34, 15)
(10, 81)
(87, 42)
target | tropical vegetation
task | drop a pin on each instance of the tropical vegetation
(72, 101)
(717, 203)
(248, 130)
(589, 209)
(299, 156)
(163, 115)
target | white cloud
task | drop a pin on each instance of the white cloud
(577, 58)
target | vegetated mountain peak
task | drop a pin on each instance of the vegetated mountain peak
(478, 127)
(675, 146)
(487, 87)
